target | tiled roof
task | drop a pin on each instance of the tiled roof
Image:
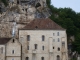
(4, 40)
(42, 24)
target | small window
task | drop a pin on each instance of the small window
(58, 57)
(35, 46)
(63, 44)
(58, 40)
(28, 37)
(53, 34)
(57, 33)
(42, 58)
(27, 58)
(12, 51)
(53, 40)
(58, 49)
(43, 37)
(12, 59)
(13, 40)
(27, 47)
(42, 47)
(53, 47)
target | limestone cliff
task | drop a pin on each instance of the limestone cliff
(21, 12)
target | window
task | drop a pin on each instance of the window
(12, 59)
(12, 51)
(58, 49)
(35, 46)
(42, 47)
(53, 40)
(13, 40)
(27, 58)
(28, 37)
(27, 47)
(43, 37)
(57, 33)
(42, 58)
(58, 40)
(58, 57)
(63, 44)
(53, 47)
(53, 34)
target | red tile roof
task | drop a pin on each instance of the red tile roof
(42, 24)
(4, 40)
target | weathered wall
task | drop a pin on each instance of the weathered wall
(2, 52)
(36, 38)
(13, 50)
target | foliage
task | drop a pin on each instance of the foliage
(70, 20)
(5, 2)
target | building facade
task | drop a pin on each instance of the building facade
(43, 39)
(10, 49)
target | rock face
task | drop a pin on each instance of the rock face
(21, 12)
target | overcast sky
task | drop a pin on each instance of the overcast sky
(74, 4)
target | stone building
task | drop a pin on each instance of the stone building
(10, 49)
(43, 39)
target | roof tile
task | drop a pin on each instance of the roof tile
(43, 24)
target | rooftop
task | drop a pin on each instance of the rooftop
(4, 40)
(42, 24)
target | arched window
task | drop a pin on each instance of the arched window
(58, 57)
(27, 58)
(58, 49)
(42, 58)
(12, 51)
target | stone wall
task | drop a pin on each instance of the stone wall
(13, 50)
(2, 52)
(51, 44)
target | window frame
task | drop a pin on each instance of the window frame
(58, 33)
(43, 38)
(28, 47)
(36, 46)
(42, 58)
(28, 37)
(12, 51)
(27, 58)
(42, 47)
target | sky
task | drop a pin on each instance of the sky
(74, 4)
